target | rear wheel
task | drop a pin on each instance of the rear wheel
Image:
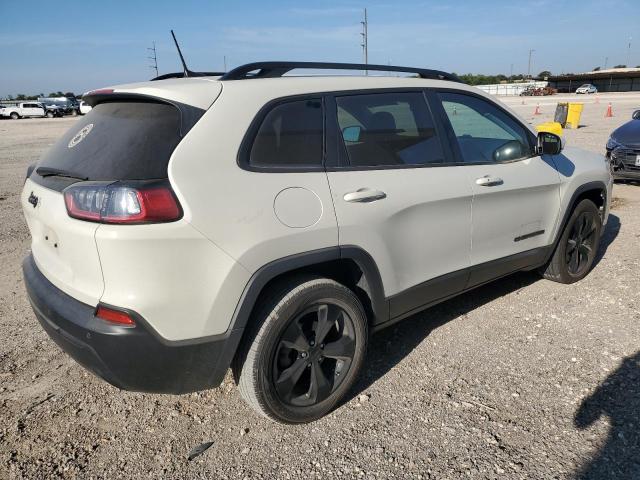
(14, 116)
(49, 114)
(305, 351)
(578, 245)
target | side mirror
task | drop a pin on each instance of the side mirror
(636, 115)
(351, 134)
(549, 143)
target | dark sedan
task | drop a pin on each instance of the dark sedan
(623, 149)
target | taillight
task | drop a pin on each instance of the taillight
(114, 316)
(122, 202)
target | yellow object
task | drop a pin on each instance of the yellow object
(573, 115)
(551, 127)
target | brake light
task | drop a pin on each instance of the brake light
(122, 203)
(100, 91)
(114, 316)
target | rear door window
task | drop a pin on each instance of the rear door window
(388, 129)
(125, 140)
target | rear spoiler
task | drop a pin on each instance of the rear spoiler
(189, 115)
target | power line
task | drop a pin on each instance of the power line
(154, 58)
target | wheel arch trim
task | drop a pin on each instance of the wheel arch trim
(571, 205)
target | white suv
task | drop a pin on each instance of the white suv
(271, 222)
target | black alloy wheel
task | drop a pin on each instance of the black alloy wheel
(304, 350)
(576, 249)
(314, 354)
(581, 243)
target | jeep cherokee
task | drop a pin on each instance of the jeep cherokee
(269, 222)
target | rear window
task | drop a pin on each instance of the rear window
(119, 141)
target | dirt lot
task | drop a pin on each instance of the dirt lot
(523, 378)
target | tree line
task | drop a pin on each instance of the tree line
(22, 96)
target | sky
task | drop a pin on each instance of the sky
(71, 45)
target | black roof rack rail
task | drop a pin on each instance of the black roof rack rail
(278, 69)
(190, 74)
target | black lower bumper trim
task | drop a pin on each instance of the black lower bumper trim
(129, 358)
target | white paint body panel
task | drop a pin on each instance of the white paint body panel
(421, 230)
(527, 201)
(170, 274)
(64, 248)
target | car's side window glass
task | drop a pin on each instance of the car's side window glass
(484, 132)
(291, 135)
(387, 129)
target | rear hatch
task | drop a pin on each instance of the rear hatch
(125, 140)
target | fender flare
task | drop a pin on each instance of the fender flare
(371, 275)
(595, 185)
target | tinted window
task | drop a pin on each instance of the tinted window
(290, 136)
(484, 132)
(388, 129)
(120, 140)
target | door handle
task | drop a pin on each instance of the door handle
(364, 195)
(489, 181)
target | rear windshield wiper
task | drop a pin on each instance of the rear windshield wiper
(57, 172)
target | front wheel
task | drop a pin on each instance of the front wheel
(305, 350)
(49, 114)
(577, 248)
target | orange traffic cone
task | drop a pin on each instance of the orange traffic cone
(609, 112)
(537, 111)
(597, 98)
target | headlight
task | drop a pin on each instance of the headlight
(612, 143)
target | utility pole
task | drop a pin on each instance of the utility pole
(529, 68)
(629, 54)
(606, 60)
(224, 59)
(365, 40)
(511, 72)
(153, 57)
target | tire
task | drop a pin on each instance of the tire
(577, 247)
(74, 113)
(282, 346)
(49, 114)
(14, 116)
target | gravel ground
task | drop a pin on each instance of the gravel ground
(523, 378)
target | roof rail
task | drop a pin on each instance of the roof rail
(278, 69)
(190, 74)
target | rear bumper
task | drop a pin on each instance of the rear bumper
(130, 358)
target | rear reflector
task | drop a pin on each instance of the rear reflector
(128, 202)
(114, 316)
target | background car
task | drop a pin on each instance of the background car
(587, 88)
(623, 149)
(64, 105)
(23, 110)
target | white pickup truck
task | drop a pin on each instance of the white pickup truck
(21, 110)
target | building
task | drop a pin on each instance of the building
(510, 89)
(610, 80)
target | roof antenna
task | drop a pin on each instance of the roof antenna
(184, 64)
